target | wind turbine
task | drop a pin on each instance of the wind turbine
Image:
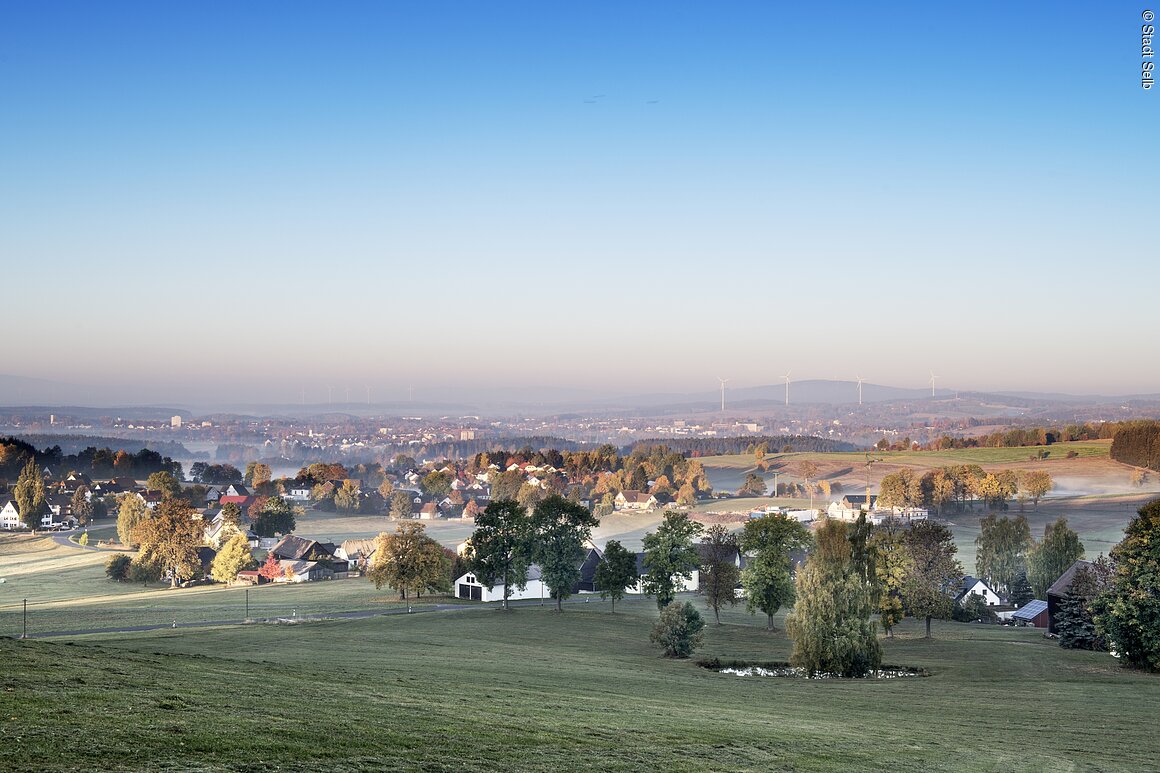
(860, 380)
(786, 377)
(723, 381)
(932, 378)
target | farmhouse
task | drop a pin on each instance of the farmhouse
(10, 516)
(979, 588)
(635, 500)
(293, 548)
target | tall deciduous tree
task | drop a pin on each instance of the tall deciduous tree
(935, 573)
(1001, 550)
(1059, 549)
(499, 546)
(29, 494)
(1035, 483)
(259, 475)
(400, 505)
(559, 531)
(669, 556)
(770, 540)
(1128, 612)
(169, 541)
(719, 572)
(235, 556)
(276, 516)
(830, 623)
(163, 482)
(891, 566)
(131, 512)
(409, 561)
(754, 486)
(616, 572)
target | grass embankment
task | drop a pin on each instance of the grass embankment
(536, 690)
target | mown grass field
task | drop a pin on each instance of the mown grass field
(67, 590)
(534, 690)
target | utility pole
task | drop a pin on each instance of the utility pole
(24, 635)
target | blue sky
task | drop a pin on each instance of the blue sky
(584, 195)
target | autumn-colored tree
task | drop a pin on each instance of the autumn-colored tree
(408, 561)
(401, 505)
(386, 489)
(687, 495)
(234, 556)
(259, 474)
(347, 497)
(271, 569)
(164, 482)
(169, 541)
(1035, 483)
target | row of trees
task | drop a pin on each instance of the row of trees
(956, 485)
(1138, 445)
(15, 453)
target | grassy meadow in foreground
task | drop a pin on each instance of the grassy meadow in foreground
(536, 690)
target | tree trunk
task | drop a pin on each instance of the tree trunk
(928, 626)
(559, 603)
(614, 605)
(769, 623)
(717, 614)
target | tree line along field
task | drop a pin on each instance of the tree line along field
(535, 690)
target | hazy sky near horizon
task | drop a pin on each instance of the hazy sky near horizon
(259, 198)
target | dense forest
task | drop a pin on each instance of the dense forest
(695, 447)
(1138, 444)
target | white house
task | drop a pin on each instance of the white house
(298, 492)
(972, 585)
(10, 516)
(635, 500)
(469, 587)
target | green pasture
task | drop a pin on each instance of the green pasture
(534, 690)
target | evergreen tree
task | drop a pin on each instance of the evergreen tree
(616, 572)
(669, 556)
(1021, 591)
(1127, 613)
(80, 506)
(830, 623)
(1074, 622)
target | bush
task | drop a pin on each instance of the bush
(83, 539)
(679, 630)
(140, 571)
(117, 567)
